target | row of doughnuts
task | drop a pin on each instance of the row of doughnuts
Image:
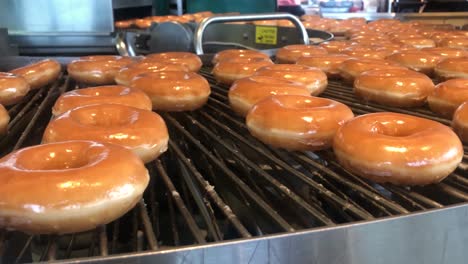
(147, 21)
(280, 111)
(14, 85)
(169, 79)
(97, 134)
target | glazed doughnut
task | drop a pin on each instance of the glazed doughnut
(448, 52)
(192, 61)
(12, 88)
(174, 91)
(314, 79)
(336, 46)
(296, 122)
(454, 42)
(40, 73)
(397, 148)
(143, 23)
(328, 63)
(98, 70)
(418, 60)
(110, 94)
(4, 120)
(142, 131)
(126, 74)
(371, 52)
(229, 70)
(83, 185)
(290, 53)
(350, 69)
(236, 53)
(244, 93)
(452, 68)
(417, 42)
(124, 24)
(448, 96)
(398, 88)
(460, 122)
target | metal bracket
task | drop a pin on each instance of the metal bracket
(198, 37)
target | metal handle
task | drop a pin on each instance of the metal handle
(197, 40)
(123, 45)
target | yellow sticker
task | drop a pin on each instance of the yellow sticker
(266, 35)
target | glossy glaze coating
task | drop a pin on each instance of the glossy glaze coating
(417, 42)
(460, 122)
(126, 74)
(142, 131)
(68, 187)
(418, 60)
(174, 91)
(454, 42)
(334, 46)
(452, 68)
(4, 120)
(244, 93)
(12, 88)
(371, 52)
(143, 23)
(110, 94)
(99, 70)
(237, 53)
(192, 61)
(297, 122)
(39, 74)
(448, 96)
(328, 63)
(290, 53)
(314, 79)
(228, 70)
(350, 69)
(398, 88)
(448, 52)
(123, 24)
(397, 148)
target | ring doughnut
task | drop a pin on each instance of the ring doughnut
(314, 79)
(229, 70)
(4, 120)
(83, 184)
(236, 53)
(350, 69)
(452, 68)
(290, 54)
(328, 63)
(336, 46)
(398, 88)
(12, 88)
(417, 60)
(297, 122)
(397, 148)
(448, 96)
(110, 94)
(244, 93)
(174, 91)
(142, 131)
(371, 52)
(192, 61)
(39, 74)
(460, 122)
(126, 74)
(448, 52)
(98, 70)
(454, 42)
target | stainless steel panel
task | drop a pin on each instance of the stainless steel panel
(23, 17)
(437, 236)
(131, 3)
